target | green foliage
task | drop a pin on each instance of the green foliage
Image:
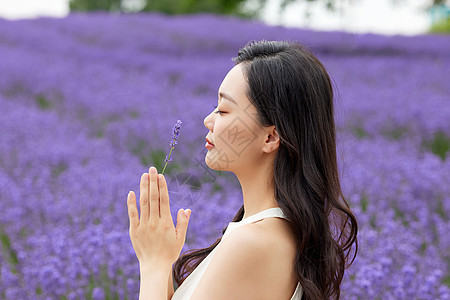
(154, 158)
(442, 26)
(166, 6)
(440, 210)
(193, 6)
(423, 247)
(359, 132)
(227, 7)
(43, 103)
(88, 5)
(364, 203)
(329, 4)
(8, 251)
(446, 280)
(58, 169)
(396, 133)
(439, 145)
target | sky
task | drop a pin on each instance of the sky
(407, 17)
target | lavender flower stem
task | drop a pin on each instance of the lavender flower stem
(167, 161)
(173, 142)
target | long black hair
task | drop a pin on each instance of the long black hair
(291, 89)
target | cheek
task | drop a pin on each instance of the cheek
(235, 137)
(220, 136)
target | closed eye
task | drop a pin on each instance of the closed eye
(218, 111)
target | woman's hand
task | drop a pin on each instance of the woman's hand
(156, 241)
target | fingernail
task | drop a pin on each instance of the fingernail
(152, 170)
(187, 212)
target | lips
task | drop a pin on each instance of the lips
(209, 141)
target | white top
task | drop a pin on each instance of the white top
(186, 289)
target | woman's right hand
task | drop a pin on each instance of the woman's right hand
(156, 241)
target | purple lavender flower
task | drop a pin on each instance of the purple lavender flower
(173, 142)
(75, 141)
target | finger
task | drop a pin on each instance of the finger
(132, 211)
(164, 198)
(183, 217)
(143, 200)
(154, 194)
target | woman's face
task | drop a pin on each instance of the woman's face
(234, 132)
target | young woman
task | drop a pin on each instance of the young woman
(295, 234)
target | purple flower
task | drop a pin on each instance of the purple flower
(173, 142)
(77, 144)
(98, 293)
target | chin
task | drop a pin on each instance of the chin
(212, 162)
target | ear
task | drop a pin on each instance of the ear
(272, 140)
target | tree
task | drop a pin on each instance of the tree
(192, 6)
(88, 5)
(165, 6)
(229, 7)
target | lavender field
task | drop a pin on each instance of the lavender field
(87, 104)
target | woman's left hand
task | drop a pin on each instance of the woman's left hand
(156, 241)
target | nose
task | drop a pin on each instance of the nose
(209, 122)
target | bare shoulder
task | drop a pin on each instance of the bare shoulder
(276, 230)
(253, 262)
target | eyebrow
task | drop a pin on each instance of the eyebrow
(227, 97)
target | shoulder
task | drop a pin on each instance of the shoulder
(267, 238)
(247, 244)
(245, 263)
(264, 240)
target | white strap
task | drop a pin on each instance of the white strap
(268, 213)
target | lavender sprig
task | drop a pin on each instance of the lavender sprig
(173, 142)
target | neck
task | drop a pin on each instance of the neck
(257, 189)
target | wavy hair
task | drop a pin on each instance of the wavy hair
(292, 90)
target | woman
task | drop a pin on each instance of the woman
(294, 235)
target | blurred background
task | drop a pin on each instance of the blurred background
(382, 16)
(90, 91)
